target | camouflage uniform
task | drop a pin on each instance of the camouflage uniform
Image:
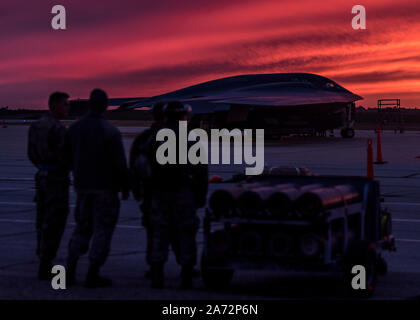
(94, 147)
(140, 187)
(96, 216)
(177, 192)
(173, 221)
(45, 150)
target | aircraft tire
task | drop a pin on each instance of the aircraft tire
(347, 133)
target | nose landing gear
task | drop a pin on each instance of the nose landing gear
(347, 132)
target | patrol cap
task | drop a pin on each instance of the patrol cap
(56, 97)
(157, 110)
(176, 107)
(98, 101)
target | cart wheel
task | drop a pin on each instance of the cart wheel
(215, 278)
(361, 253)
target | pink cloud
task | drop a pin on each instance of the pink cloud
(134, 48)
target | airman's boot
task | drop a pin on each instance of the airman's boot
(44, 271)
(71, 272)
(94, 280)
(156, 273)
(187, 277)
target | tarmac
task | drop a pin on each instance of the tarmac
(400, 187)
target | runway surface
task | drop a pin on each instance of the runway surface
(400, 187)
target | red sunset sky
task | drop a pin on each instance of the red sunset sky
(142, 48)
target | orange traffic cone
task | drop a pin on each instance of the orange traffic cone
(370, 173)
(379, 158)
(215, 179)
(4, 123)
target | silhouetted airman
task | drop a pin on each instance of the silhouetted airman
(140, 178)
(46, 151)
(97, 159)
(177, 190)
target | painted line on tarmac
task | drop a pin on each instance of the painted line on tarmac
(406, 220)
(138, 227)
(417, 204)
(408, 240)
(26, 204)
(17, 221)
(122, 226)
(6, 203)
(386, 202)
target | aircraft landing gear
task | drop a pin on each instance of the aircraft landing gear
(347, 132)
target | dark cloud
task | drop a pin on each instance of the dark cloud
(378, 76)
(34, 60)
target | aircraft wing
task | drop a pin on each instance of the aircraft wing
(291, 99)
(113, 101)
(275, 90)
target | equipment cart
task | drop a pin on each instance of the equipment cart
(300, 223)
